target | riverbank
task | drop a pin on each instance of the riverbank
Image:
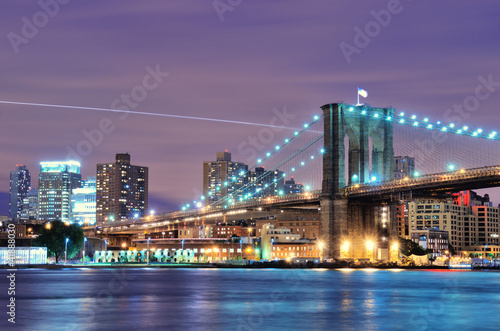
(220, 265)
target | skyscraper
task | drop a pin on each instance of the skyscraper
(122, 190)
(404, 166)
(20, 182)
(265, 183)
(30, 205)
(293, 188)
(55, 184)
(223, 176)
(83, 202)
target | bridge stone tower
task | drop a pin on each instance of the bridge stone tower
(348, 225)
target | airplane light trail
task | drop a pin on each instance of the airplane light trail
(144, 113)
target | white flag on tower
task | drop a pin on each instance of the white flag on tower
(362, 92)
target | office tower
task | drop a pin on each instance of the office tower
(30, 205)
(20, 181)
(293, 188)
(266, 183)
(223, 177)
(55, 184)
(83, 203)
(122, 190)
(404, 166)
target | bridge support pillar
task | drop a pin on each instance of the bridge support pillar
(351, 228)
(357, 230)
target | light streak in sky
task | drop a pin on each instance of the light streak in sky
(143, 113)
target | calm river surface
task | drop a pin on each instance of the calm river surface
(253, 299)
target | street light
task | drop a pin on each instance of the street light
(354, 179)
(182, 244)
(147, 255)
(84, 241)
(163, 234)
(65, 250)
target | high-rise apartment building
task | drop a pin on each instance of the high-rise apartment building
(30, 205)
(55, 184)
(404, 166)
(83, 203)
(122, 190)
(266, 183)
(20, 182)
(223, 177)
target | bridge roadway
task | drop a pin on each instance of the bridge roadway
(248, 209)
(453, 181)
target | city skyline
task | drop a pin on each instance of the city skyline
(259, 65)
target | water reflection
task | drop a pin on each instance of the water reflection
(277, 299)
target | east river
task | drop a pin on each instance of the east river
(253, 299)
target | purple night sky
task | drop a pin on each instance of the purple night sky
(263, 55)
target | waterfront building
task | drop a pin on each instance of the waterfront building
(20, 182)
(55, 184)
(402, 220)
(24, 255)
(30, 205)
(122, 190)
(226, 231)
(305, 224)
(199, 250)
(281, 243)
(433, 239)
(404, 166)
(469, 219)
(83, 203)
